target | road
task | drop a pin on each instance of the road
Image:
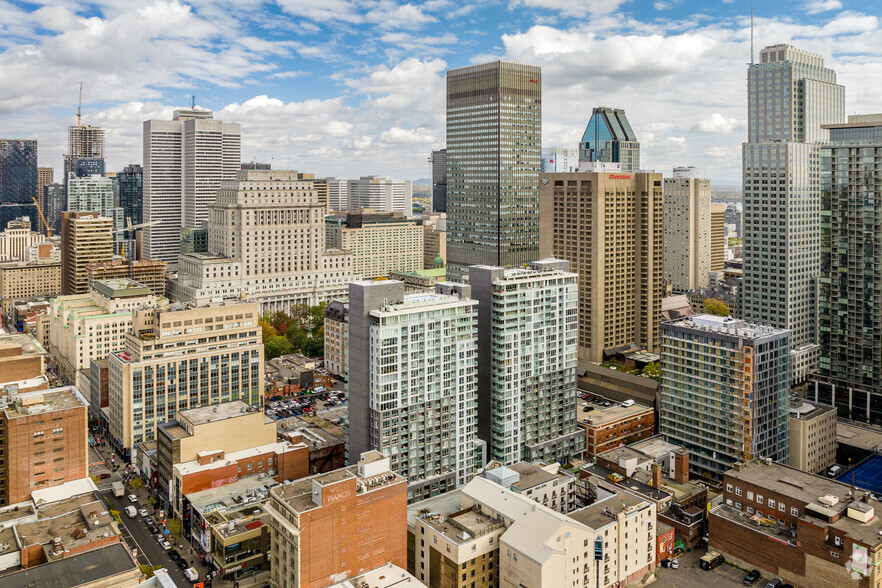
(690, 574)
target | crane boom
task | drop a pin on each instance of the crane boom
(43, 218)
(80, 108)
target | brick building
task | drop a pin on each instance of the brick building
(665, 536)
(809, 530)
(332, 526)
(610, 427)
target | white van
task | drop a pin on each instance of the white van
(131, 512)
(834, 471)
(628, 403)
(191, 574)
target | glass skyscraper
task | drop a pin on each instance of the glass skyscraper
(438, 159)
(494, 141)
(790, 95)
(131, 192)
(609, 138)
(18, 180)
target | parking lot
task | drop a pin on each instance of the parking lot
(294, 406)
(690, 574)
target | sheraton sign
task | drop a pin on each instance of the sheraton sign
(619, 177)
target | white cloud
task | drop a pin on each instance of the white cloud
(717, 123)
(818, 6)
(397, 135)
(573, 7)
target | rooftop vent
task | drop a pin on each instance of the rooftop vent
(829, 500)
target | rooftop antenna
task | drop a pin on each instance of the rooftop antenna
(193, 99)
(751, 32)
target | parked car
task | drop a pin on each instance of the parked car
(183, 564)
(159, 538)
(752, 578)
(165, 545)
(131, 512)
(142, 512)
(133, 498)
(148, 520)
(191, 574)
(174, 555)
(153, 529)
(103, 476)
(775, 583)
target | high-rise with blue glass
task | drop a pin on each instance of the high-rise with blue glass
(609, 138)
(18, 180)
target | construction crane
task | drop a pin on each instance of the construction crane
(43, 218)
(80, 108)
(131, 227)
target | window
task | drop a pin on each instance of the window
(759, 498)
(737, 491)
(781, 506)
(794, 511)
(728, 487)
(749, 495)
(771, 504)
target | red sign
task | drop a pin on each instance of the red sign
(619, 177)
(535, 81)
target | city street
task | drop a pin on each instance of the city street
(690, 574)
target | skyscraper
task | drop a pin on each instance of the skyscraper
(18, 180)
(86, 238)
(687, 229)
(413, 382)
(438, 159)
(95, 194)
(338, 194)
(851, 277)
(790, 95)
(380, 193)
(131, 192)
(527, 353)
(724, 391)
(185, 160)
(609, 138)
(718, 237)
(494, 140)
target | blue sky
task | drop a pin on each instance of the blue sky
(354, 87)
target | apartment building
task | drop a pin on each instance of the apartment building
(609, 427)
(380, 242)
(86, 238)
(812, 435)
(379, 193)
(23, 281)
(147, 272)
(333, 526)
(718, 237)
(687, 229)
(95, 193)
(527, 353)
(182, 357)
(336, 327)
(544, 483)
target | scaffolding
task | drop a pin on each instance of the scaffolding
(147, 272)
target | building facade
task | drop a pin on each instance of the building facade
(438, 159)
(559, 159)
(23, 281)
(18, 180)
(608, 428)
(812, 436)
(413, 382)
(266, 244)
(380, 242)
(609, 138)
(494, 140)
(337, 338)
(527, 353)
(147, 272)
(86, 238)
(609, 227)
(16, 238)
(131, 193)
(739, 412)
(338, 194)
(96, 194)
(687, 230)
(379, 193)
(791, 94)
(718, 237)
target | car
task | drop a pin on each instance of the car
(674, 564)
(133, 498)
(174, 555)
(752, 578)
(191, 574)
(665, 563)
(148, 520)
(183, 564)
(775, 583)
(103, 476)
(153, 529)
(166, 545)
(159, 538)
(142, 512)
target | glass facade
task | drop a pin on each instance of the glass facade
(18, 180)
(439, 180)
(494, 140)
(131, 193)
(609, 138)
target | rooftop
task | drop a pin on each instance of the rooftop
(76, 570)
(603, 512)
(29, 345)
(636, 486)
(245, 491)
(602, 416)
(388, 576)
(42, 401)
(530, 475)
(121, 288)
(233, 521)
(655, 447)
(215, 412)
(624, 452)
(461, 526)
(726, 325)
(860, 436)
(803, 410)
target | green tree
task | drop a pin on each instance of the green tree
(276, 346)
(314, 347)
(175, 527)
(651, 369)
(317, 315)
(301, 315)
(267, 329)
(136, 483)
(717, 307)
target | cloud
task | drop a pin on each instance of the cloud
(818, 6)
(397, 135)
(572, 7)
(716, 123)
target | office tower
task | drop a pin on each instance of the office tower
(494, 141)
(43, 439)
(740, 409)
(790, 95)
(609, 227)
(718, 237)
(147, 272)
(379, 193)
(527, 354)
(559, 159)
(851, 278)
(687, 229)
(45, 176)
(338, 194)
(321, 191)
(609, 138)
(380, 242)
(53, 206)
(147, 388)
(86, 237)
(131, 193)
(20, 281)
(733, 217)
(413, 382)
(95, 194)
(330, 527)
(438, 159)
(266, 244)
(18, 181)
(15, 240)
(185, 160)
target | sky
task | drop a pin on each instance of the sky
(356, 87)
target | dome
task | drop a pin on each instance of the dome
(438, 261)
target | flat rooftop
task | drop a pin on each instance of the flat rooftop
(461, 526)
(76, 570)
(215, 412)
(602, 474)
(298, 494)
(224, 497)
(602, 416)
(603, 512)
(860, 436)
(121, 288)
(530, 475)
(29, 345)
(231, 522)
(803, 410)
(792, 482)
(387, 576)
(45, 401)
(624, 452)
(655, 447)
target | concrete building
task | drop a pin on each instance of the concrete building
(494, 141)
(434, 243)
(23, 281)
(791, 94)
(266, 244)
(237, 537)
(42, 439)
(86, 237)
(609, 138)
(734, 218)
(527, 327)
(413, 382)
(22, 363)
(330, 527)
(805, 529)
(147, 272)
(165, 369)
(45, 176)
(438, 159)
(718, 237)
(687, 229)
(16, 238)
(338, 194)
(609, 227)
(212, 446)
(559, 159)
(380, 242)
(90, 326)
(812, 436)
(851, 280)
(545, 484)
(387, 576)
(379, 193)
(740, 410)
(609, 427)
(185, 160)
(337, 338)
(96, 194)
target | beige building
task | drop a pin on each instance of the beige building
(380, 242)
(544, 483)
(147, 272)
(434, 239)
(266, 244)
(485, 536)
(21, 281)
(180, 357)
(609, 227)
(812, 436)
(687, 226)
(85, 238)
(337, 338)
(718, 237)
(45, 176)
(83, 327)
(16, 238)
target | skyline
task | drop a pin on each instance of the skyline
(357, 87)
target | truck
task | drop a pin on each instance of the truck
(118, 489)
(710, 560)
(131, 512)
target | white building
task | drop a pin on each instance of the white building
(266, 237)
(544, 483)
(185, 160)
(16, 238)
(338, 194)
(687, 230)
(381, 194)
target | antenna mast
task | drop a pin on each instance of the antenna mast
(192, 101)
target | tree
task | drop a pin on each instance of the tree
(651, 369)
(276, 346)
(314, 347)
(136, 483)
(317, 315)
(268, 330)
(717, 307)
(175, 527)
(301, 314)
(297, 336)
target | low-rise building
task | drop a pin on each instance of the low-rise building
(544, 483)
(325, 440)
(380, 242)
(148, 272)
(424, 279)
(812, 435)
(387, 576)
(608, 427)
(336, 338)
(239, 540)
(23, 281)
